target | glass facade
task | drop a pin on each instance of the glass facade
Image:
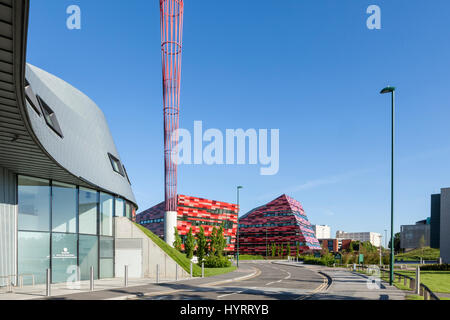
(62, 226)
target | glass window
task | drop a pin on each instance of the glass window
(88, 246)
(120, 210)
(106, 247)
(33, 255)
(127, 210)
(34, 204)
(106, 257)
(50, 117)
(88, 211)
(64, 207)
(116, 165)
(64, 256)
(106, 268)
(106, 214)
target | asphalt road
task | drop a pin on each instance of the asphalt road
(271, 282)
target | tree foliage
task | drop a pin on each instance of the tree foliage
(177, 243)
(189, 245)
(201, 245)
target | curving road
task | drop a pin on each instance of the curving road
(271, 281)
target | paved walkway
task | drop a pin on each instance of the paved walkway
(106, 289)
(347, 285)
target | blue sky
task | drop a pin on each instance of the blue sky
(309, 68)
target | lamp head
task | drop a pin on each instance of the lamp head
(240, 187)
(387, 90)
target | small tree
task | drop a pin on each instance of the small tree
(189, 246)
(282, 250)
(273, 249)
(288, 249)
(201, 245)
(221, 242)
(297, 253)
(177, 243)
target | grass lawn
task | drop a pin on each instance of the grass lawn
(250, 257)
(426, 253)
(413, 297)
(437, 281)
(181, 259)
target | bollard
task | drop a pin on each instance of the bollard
(157, 273)
(191, 269)
(91, 286)
(126, 276)
(405, 281)
(426, 295)
(440, 260)
(417, 282)
(176, 272)
(203, 269)
(412, 284)
(48, 289)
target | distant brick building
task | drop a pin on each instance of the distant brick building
(194, 212)
(335, 245)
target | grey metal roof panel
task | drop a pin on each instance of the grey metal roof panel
(27, 145)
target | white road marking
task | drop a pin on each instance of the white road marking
(229, 294)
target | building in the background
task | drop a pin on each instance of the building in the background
(280, 221)
(444, 222)
(335, 245)
(194, 212)
(415, 236)
(322, 231)
(61, 178)
(372, 237)
(435, 221)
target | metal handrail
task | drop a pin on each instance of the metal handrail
(21, 276)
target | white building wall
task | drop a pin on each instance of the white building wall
(322, 231)
(373, 237)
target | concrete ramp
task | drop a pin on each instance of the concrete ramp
(135, 249)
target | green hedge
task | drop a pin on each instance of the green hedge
(436, 267)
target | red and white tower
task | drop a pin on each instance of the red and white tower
(171, 49)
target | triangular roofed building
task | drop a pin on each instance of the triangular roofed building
(278, 223)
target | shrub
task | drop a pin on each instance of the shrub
(436, 267)
(213, 261)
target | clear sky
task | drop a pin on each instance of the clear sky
(309, 68)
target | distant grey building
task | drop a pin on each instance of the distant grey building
(445, 225)
(411, 235)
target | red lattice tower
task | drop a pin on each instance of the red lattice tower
(171, 49)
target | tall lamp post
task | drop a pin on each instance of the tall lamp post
(391, 90)
(237, 233)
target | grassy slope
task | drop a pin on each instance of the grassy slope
(181, 259)
(416, 254)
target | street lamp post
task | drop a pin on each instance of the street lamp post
(237, 232)
(391, 264)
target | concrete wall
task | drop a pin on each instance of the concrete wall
(8, 224)
(152, 254)
(445, 225)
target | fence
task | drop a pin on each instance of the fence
(423, 290)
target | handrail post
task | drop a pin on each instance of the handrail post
(91, 279)
(191, 269)
(48, 288)
(176, 272)
(203, 269)
(126, 276)
(157, 273)
(417, 282)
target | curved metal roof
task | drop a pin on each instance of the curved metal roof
(28, 145)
